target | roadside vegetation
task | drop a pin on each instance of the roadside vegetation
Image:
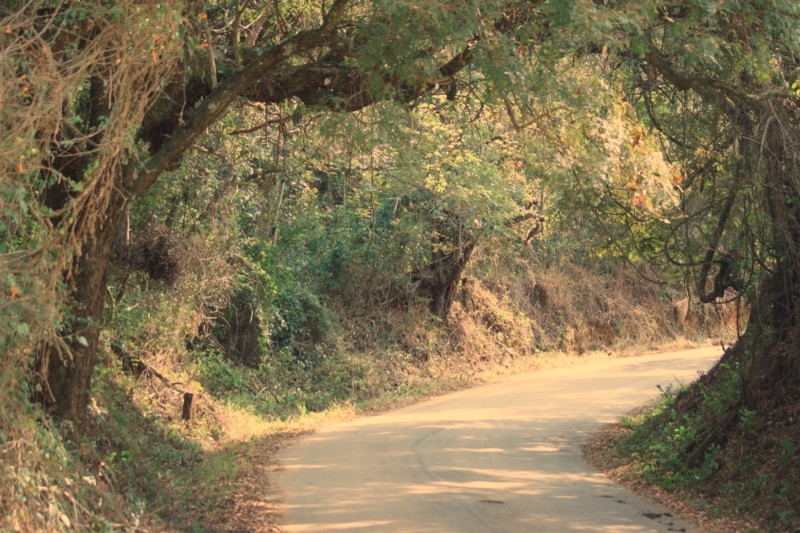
(748, 482)
(222, 222)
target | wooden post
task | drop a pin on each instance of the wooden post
(187, 405)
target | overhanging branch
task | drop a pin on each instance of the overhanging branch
(219, 99)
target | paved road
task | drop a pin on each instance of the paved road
(503, 457)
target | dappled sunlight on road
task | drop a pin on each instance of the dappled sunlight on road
(506, 457)
(369, 525)
(476, 450)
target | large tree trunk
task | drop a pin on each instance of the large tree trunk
(766, 359)
(765, 362)
(67, 376)
(445, 276)
(453, 246)
(66, 367)
(773, 368)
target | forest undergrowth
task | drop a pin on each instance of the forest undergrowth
(749, 484)
(222, 222)
(134, 463)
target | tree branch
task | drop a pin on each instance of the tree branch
(686, 81)
(217, 102)
(330, 85)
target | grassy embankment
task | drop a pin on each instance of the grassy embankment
(136, 464)
(752, 483)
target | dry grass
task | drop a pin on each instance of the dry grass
(212, 469)
(513, 321)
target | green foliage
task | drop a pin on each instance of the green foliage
(284, 384)
(391, 39)
(658, 444)
(223, 379)
(747, 420)
(663, 438)
(788, 452)
(158, 469)
(749, 469)
(247, 264)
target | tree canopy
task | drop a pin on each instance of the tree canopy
(672, 127)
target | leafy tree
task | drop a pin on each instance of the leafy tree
(101, 100)
(96, 158)
(714, 81)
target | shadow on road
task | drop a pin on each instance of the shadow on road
(500, 458)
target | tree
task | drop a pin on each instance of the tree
(100, 154)
(143, 81)
(715, 82)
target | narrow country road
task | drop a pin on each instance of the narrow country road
(503, 457)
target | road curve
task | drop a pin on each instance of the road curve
(502, 457)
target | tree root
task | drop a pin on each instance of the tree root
(696, 450)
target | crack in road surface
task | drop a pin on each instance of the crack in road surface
(505, 457)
